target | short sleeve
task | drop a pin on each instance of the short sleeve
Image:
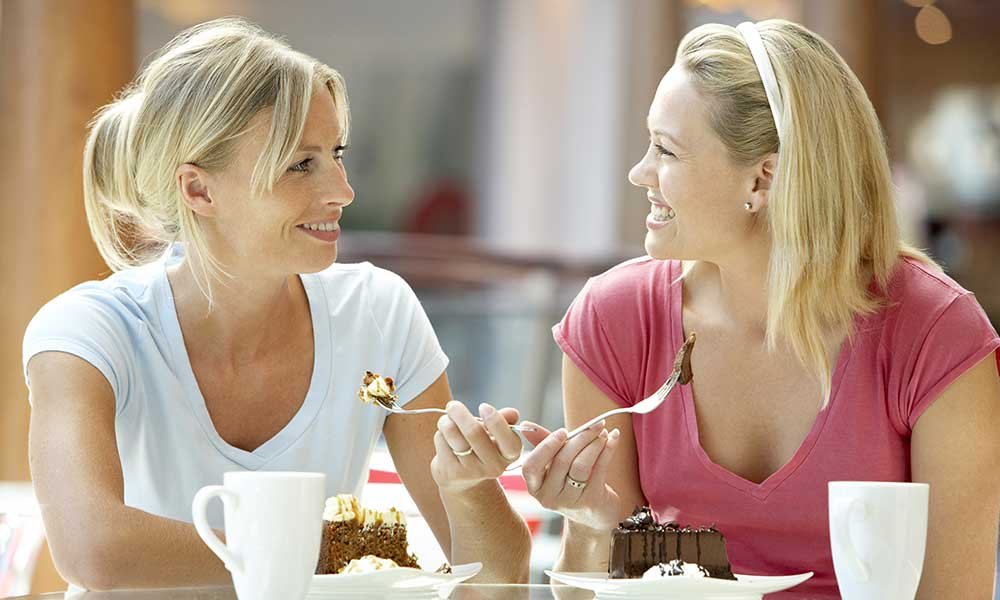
(85, 326)
(407, 336)
(584, 337)
(959, 338)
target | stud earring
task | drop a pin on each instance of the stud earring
(748, 206)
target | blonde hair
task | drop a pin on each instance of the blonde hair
(830, 212)
(190, 105)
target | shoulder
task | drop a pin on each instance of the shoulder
(634, 283)
(920, 295)
(359, 277)
(124, 299)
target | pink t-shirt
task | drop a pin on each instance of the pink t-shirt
(623, 332)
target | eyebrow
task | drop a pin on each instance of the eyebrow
(665, 134)
(317, 148)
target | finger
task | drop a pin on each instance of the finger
(444, 451)
(578, 476)
(535, 437)
(538, 460)
(507, 442)
(583, 465)
(474, 431)
(599, 474)
(452, 434)
(511, 415)
(555, 479)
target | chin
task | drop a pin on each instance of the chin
(657, 248)
(318, 261)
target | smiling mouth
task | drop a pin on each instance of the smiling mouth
(662, 214)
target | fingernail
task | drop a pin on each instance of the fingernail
(561, 434)
(598, 425)
(604, 434)
(485, 410)
(615, 434)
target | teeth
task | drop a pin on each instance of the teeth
(661, 213)
(322, 226)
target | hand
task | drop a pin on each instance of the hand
(570, 477)
(470, 452)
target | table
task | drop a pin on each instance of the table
(465, 591)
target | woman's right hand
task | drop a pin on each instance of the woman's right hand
(570, 477)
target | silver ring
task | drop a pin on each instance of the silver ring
(463, 452)
(577, 484)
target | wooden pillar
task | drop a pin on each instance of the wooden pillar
(59, 62)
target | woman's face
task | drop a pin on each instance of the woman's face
(295, 227)
(696, 193)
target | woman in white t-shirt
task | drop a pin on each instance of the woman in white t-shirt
(228, 339)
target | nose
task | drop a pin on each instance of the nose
(338, 191)
(641, 175)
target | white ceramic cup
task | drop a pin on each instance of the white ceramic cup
(878, 532)
(274, 523)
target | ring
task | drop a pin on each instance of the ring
(577, 484)
(463, 452)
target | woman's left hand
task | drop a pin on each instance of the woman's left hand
(469, 451)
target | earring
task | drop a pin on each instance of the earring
(748, 206)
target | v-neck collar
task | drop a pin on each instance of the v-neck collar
(759, 491)
(318, 385)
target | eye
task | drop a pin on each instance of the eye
(663, 151)
(338, 152)
(301, 167)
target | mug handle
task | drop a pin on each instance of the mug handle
(199, 506)
(846, 511)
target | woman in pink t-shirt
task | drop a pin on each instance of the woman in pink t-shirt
(827, 348)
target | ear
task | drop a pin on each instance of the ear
(763, 177)
(192, 181)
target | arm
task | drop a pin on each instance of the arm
(472, 523)
(96, 541)
(956, 450)
(587, 532)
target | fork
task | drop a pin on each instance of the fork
(681, 374)
(438, 411)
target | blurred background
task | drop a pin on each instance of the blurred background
(489, 151)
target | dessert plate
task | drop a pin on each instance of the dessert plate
(401, 581)
(746, 587)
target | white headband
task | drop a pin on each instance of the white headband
(763, 61)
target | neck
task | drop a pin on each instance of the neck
(250, 317)
(734, 290)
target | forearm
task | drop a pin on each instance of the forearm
(135, 549)
(583, 549)
(485, 528)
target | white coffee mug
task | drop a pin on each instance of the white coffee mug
(274, 523)
(878, 532)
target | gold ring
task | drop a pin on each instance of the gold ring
(577, 484)
(463, 452)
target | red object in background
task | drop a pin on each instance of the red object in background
(442, 208)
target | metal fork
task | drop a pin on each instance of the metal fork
(681, 374)
(437, 411)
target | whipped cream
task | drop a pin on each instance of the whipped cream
(367, 564)
(345, 507)
(675, 568)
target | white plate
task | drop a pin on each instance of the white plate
(745, 587)
(389, 582)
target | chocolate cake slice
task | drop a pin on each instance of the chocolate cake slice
(640, 542)
(351, 532)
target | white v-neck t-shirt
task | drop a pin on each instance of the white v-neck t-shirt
(364, 318)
